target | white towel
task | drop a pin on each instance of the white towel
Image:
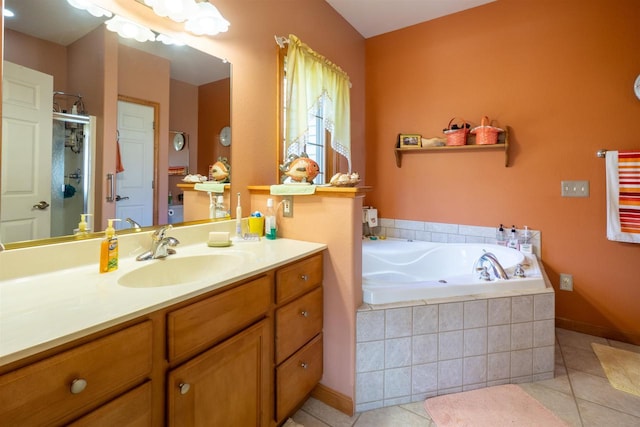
(631, 167)
(372, 217)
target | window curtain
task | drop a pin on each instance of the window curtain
(313, 80)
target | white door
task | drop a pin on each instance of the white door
(27, 105)
(134, 186)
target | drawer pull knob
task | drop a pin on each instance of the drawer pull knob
(184, 388)
(78, 385)
(304, 365)
(304, 277)
(304, 313)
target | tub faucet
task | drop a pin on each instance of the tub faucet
(161, 245)
(498, 271)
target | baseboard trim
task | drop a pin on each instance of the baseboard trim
(598, 331)
(339, 401)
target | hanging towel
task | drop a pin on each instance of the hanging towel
(211, 187)
(292, 189)
(623, 196)
(119, 165)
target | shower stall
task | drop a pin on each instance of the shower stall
(72, 171)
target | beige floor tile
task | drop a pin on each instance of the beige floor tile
(583, 360)
(561, 404)
(327, 414)
(307, 420)
(559, 382)
(392, 416)
(598, 390)
(624, 346)
(577, 339)
(594, 415)
(417, 408)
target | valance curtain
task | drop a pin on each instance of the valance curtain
(313, 81)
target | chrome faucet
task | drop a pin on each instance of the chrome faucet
(498, 271)
(161, 245)
(134, 224)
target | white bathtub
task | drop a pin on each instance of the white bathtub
(396, 270)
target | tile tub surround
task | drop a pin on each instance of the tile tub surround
(446, 233)
(408, 353)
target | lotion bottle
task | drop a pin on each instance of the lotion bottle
(501, 237)
(109, 249)
(270, 221)
(526, 246)
(513, 242)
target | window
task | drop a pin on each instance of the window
(315, 94)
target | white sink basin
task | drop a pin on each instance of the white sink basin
(175, 271)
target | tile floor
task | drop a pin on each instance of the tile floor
(579, 394)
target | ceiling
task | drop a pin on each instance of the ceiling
(374, 17)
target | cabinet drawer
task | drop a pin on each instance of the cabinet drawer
(298, 278)
(132, 409)
(198, 325)
(296, 377)
(298, 322)
(41, 393)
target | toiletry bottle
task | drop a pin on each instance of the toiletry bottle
(525, 245)
(513, 242)
(109, 249)
(270, 221)
(170, 197)
(221, 212)
(239, 218)
(83, 229)
(501, 237)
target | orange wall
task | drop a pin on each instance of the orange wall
(560, 74)
(183, 117)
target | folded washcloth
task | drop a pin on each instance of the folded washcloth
(292, 189)
(623, 196)
(212, 187)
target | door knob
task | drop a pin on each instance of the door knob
(119, 197)
(42, 205)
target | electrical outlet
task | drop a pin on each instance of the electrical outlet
(574, 188)
(287, 206)
(566, 282)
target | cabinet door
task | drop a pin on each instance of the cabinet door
(228, 385)
(132, 409)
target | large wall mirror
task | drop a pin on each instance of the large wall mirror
(96, 88)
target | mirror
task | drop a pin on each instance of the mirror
(196, 90)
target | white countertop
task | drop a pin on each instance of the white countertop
(41, 311)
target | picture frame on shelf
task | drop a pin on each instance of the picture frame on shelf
(409, 140)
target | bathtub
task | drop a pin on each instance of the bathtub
(395, 270)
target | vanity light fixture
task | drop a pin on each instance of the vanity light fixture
(90, 7)
(129, 29)
(201, 18)
(8, 13)
(168, 40)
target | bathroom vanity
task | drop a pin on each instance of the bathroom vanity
(245, 349)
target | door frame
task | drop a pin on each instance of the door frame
(156, 146)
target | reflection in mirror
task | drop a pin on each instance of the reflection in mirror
(94, 71)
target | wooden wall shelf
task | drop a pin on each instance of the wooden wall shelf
(503, 144)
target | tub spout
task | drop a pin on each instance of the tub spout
(498, 271)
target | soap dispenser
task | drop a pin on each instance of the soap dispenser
(109, 249)
(82, 230)
(513, 242)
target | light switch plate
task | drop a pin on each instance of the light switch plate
(575, 188)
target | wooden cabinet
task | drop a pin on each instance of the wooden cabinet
(62, 387)
(298, 333)
(247, 354)
(227, 385)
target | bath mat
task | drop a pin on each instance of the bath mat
(503, 405)
(622, 367)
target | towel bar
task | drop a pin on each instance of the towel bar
(602, 153)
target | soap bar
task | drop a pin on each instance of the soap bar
(218, 236)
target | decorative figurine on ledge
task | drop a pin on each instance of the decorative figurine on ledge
(220, 170)
(299, 169)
